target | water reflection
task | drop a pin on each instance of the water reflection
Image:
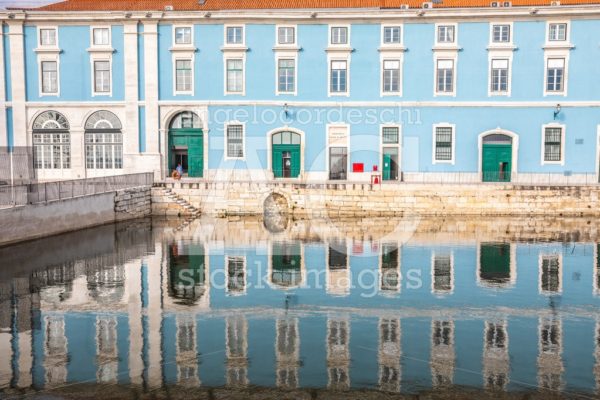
(230, 304)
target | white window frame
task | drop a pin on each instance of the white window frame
(286, 56)
(294, 43)
(330, 37)
(226, 28)
(243, 259)
(93, 59)
(433, 143)
(183, 92)
(226, 126)
(39, 37)
(567, 32)
(399, 26)
(391, 57)
(510, 34)
(92, 36)
(500, 56)
(437, 37)
(191, 43)
(556, 54)
(440, 56)
(330, 60)
(50, 58)
(329, 145)
(225, 87)
(562, 144)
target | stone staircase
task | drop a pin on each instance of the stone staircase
(173, 204)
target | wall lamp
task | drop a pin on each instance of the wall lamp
(557, 111)
(285, 110)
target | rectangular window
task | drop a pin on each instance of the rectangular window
(236, 282)
(443, 143)
(235, 76)
(445, 76)
(339, 35)
(235, 141)
(286, 76)
(235, 35)
(183, 75)
(499, 78)
(183, 35)
(390, 135)
(553, 144)
(501, 34)
(391, 76)
(550, 277)
(286, 35)
(557, 32)
(445, 34)
(392, 35)
(555, 75)
(338, 163)
(52, 151)
(442, 273)
(49, 77)
(102, 76)
(48, 37)
(104, 150)
(339, 77)
(101, 36)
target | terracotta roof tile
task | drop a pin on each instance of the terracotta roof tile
(213, 5)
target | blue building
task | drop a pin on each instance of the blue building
(457, 91)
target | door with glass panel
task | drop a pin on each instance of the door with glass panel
(338, 163)
(285, 154)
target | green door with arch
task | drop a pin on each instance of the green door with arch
(186, 144)
(496, 158)
(285, 153)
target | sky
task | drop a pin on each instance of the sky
(24, 3)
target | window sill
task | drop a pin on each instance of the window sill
(558, 46)
(48, 50)
(391, 47)
(100, 49)
(502, 46)
(286, 47)
(339, 49)
(236, 47)
(446, 47)
(186, 48)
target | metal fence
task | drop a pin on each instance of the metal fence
(51, 191)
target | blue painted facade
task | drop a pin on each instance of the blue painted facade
(472, 110)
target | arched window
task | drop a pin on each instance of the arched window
(103, 141)
(185, 120)
(51, 141)
(286, 137)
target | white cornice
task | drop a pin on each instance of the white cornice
(323, 15)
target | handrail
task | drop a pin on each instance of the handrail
(43, 192)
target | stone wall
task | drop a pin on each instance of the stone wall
(133, 203)
(355, 199)
(44, 219)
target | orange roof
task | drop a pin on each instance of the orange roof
(214, 5)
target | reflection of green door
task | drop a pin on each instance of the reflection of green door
(189, 142)
(186, 271)
(286, 261)
(494, 262)
(496, 162)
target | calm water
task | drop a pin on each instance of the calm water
(401, 306)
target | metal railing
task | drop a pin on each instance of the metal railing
(35, 193)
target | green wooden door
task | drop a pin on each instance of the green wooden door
(496, 162)
(387, 167)
(193, 141)
(277, 159)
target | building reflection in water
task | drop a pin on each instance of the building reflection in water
(442, 273)
(338, 271)
(597, 355)
(287, 353)
(286, 269)
(338, 353)
(236, 350)
(442, 353)
(550, 274)
(187, 275)
(496, 361)
(390, 354)
(496, 265)
(236, 275)
(56, 351)
(549, 362)
(107, 356)
(186, 351)
(390, 275)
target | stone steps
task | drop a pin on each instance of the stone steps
(182, 206)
